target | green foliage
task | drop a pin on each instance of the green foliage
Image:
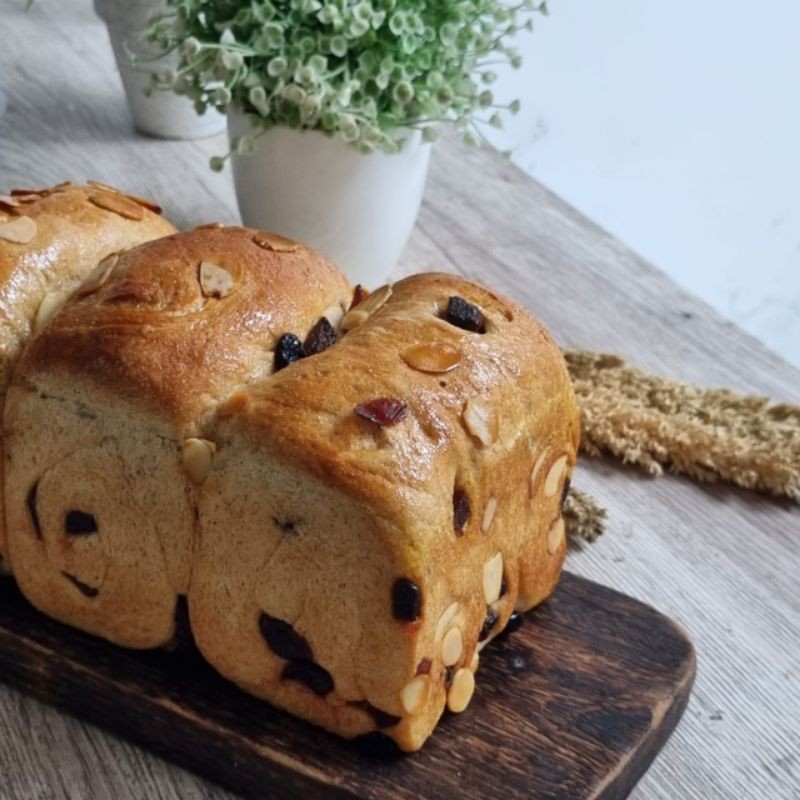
(367, 70)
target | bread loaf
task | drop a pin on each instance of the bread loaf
(372, 558)
(50, 240)
(350, 526)
(109, 412)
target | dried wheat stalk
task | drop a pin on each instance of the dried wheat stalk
(584, 518)
(708, 434)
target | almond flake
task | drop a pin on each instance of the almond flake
(98, 276)
(196, 458)
(334, 314)
(215, 281)
(488, 514)
(150, 205)
(276, 243)
(376, 299)
(104, 186)
(432, 357)
(477, 420)
(209, 226)
(366, 308)
(492, 578)
(51, 303)
(8, 203)
(19, 230)
(352, 319)
(118, 204)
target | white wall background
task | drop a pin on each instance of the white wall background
(676, 126)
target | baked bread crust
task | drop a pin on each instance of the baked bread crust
(339, 508)
(107, 412)
(50, 240)
(344, 560)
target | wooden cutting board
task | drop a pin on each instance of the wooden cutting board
(574, 705)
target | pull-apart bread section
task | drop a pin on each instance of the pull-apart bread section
(355, 503)
(50, 241)
(396, 499)
(107, 418)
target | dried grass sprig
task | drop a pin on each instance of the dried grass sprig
(708, 434)
(584, 517)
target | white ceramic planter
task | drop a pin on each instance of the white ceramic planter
(163, 113)
(357, 209)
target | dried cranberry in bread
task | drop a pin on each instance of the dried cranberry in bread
(108, 418)
(50, 240)
(391, 496)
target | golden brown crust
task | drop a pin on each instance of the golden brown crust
(72, 236)
(106, 412)
(69, 235)
(369, 505)
(283, 501)
(152, 333)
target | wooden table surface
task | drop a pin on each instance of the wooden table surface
(722, 562)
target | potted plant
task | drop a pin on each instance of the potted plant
(161, 114)
(333, 104)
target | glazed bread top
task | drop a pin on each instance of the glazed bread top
(178, 323)
(50, 239)
(466, 395)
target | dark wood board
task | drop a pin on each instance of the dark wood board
(576, 704)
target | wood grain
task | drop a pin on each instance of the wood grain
(575, 704)
(723, 562)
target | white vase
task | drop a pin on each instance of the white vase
(357, 209)
(163, 113)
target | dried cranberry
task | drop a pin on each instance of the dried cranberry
(424, 667)
(383, 411)
(565, 491)
(284, 640)
(83, 588)
(406, 600)
(320, 337)
(359, 295)
(79, 523)
(465, 315)
(461, 511)
(491, 620)
(37, 526)
(314, 676)
(289, 350)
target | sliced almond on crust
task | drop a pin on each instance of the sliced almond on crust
(51, 303)
(150, 205)
(196, 458)
(8, 203)
(209, 226)
(276, 243)
(432, 357)
(98, 276)
(215, 281)
(19, 230)
(352, 319)
(477, 418)
(104, 186)
(118, 204)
